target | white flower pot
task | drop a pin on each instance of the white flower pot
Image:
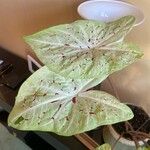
(110, 136)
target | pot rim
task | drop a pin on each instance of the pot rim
(122, 139)
(136, 105)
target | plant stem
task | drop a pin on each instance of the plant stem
(143, 124)
(140, 133)
(129, 125)
(121, 135)
(135, 141)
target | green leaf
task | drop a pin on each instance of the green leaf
(49, 102)
(104, 147)
(85, 48)
(144, 148)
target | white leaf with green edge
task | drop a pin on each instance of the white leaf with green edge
(104, 147)
(49, 102)
(85, 48)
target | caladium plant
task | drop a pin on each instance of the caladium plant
(78, 56)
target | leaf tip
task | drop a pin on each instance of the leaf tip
(26, 38)
(128, 113)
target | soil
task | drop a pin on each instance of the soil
(140, 117)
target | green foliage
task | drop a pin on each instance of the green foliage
(144, 148)
(104, 147)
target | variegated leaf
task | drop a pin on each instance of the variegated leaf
(85, 48)
(49, 102)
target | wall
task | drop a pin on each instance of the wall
(23, 17)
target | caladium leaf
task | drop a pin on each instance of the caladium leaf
(83, 49)
(49, 102)
(104, 147)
